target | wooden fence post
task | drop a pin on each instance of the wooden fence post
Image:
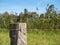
(18, 34)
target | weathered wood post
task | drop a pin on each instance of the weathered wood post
(18, 34)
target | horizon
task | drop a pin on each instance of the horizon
(31, 5)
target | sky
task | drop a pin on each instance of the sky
(19, 5)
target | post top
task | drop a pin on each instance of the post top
(17, 26)
(18, 23)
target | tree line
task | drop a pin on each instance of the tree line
(48, 20)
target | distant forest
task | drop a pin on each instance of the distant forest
(48, 20)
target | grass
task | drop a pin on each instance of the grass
(4, 38)
(42, 37)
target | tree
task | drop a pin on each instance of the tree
(25, 11)
(42, 16)
(50, 11)
(6, 14)
(20, 17)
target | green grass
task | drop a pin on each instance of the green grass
(42, 37)
(4, 38)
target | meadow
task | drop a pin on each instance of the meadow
(35, 37)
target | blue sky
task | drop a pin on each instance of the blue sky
(19, 5)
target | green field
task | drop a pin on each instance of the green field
(42, 37)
